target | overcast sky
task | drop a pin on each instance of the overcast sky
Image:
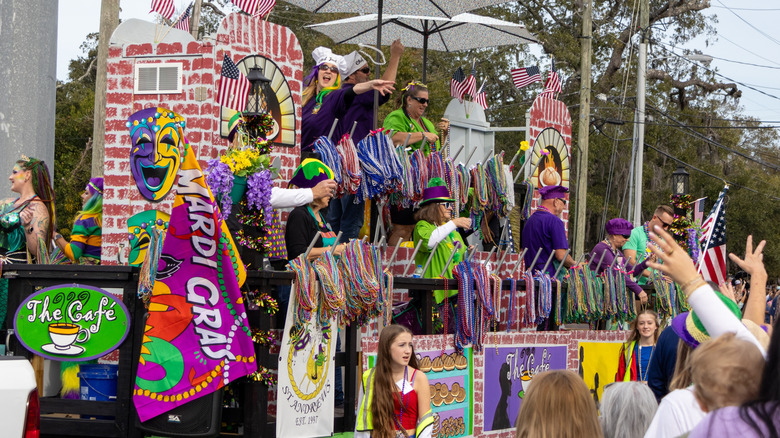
(735, 41)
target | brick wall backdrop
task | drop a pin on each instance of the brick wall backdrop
(551, 113)
(239, 35)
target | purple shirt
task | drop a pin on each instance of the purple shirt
(546, 231)
(726, 422)
(609, 257)
(314, 126)
(362, 112)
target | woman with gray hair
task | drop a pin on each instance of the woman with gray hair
(627, 409)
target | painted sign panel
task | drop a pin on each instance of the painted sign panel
(71, 322)
(451, 378)
(598, 365)
(508, 372)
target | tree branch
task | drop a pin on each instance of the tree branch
(89, 70)
(680, 85)
(214, 8)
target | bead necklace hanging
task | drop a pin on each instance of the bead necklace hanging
(387, 297)
(402, 401)
(511, 313)
(530, 301)
(351, 175)
(465, 313)
(358, 269)
(304, 288)
(544, 297)
(332, 297)
(525, 210)
(446, 310)
(329, 155)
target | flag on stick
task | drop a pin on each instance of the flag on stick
(525, 76)
(481, 98)
(164, 8)
(184, 20)
(712, 264)
(233, 87)
(264, 8)
(456, 84)
(248, 6)
(470, 84)
(553, 84)
(698, 211)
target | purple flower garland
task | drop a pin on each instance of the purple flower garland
(220, 181)
(258, 194)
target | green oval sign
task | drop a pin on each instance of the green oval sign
(71, 322)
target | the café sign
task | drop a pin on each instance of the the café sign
(71, 322)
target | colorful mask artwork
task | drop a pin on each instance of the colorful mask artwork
(155, 135)
(138, 227)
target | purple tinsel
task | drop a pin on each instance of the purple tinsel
(258, 194)
(220, 181)
(313, 75)
(693, 244)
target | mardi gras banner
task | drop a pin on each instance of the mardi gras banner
(304, 404)
(507, 376)
(196, 338)
(451, 378)
(598, 365)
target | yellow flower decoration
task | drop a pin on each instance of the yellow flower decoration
(524, 145)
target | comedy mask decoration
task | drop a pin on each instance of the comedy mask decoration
(155, 134)
(139, 226)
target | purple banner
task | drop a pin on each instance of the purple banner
(507, 376)
(196, 338)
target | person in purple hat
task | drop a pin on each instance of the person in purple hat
(86, 236)
(607, 254)
(544, 234)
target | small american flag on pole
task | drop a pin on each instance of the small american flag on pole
(233, 87)
(264, 8)
(525, 76)
(184, 20)
(553, 84)
(698, 211)
(470, 84)
(456, 84)
(248, 6)
(712, 265)
(164, 8)
(481, 99)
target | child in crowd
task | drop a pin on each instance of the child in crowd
(636, 353)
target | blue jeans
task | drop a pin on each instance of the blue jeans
(346, 216)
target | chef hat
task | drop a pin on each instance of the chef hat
(324, 54)
(352, 63)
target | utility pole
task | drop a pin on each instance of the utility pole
(196, 18)
(639, 126)
(109, 20)
(584, 128)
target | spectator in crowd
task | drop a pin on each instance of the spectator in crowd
(661, 368)
(636, 353)
(551, 395)
(626, 409)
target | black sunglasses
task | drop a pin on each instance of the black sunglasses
(324, 67)
(365, 70)
(422, 100)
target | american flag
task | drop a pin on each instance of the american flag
(164, 8)
(233, 87)
(481, 98)
(553, 84)
(248, 6)
(456, 84)
(184, 20)
(264, 8)
(525, 76)
(698, 211)
(470, 84)
(713, 261)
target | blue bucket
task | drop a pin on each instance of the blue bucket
(98, 381)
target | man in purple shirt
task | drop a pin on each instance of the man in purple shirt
(545, 234)
(344, 214)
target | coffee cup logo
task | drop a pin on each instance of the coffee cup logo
(63, 335)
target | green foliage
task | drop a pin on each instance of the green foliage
(73, 129)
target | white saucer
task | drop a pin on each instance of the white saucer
(70, 351)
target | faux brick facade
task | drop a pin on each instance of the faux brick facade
(239, 36)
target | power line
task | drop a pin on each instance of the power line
(769, 37)
(746, 9)
(670, 156)
(744, 63)
(749, 51)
